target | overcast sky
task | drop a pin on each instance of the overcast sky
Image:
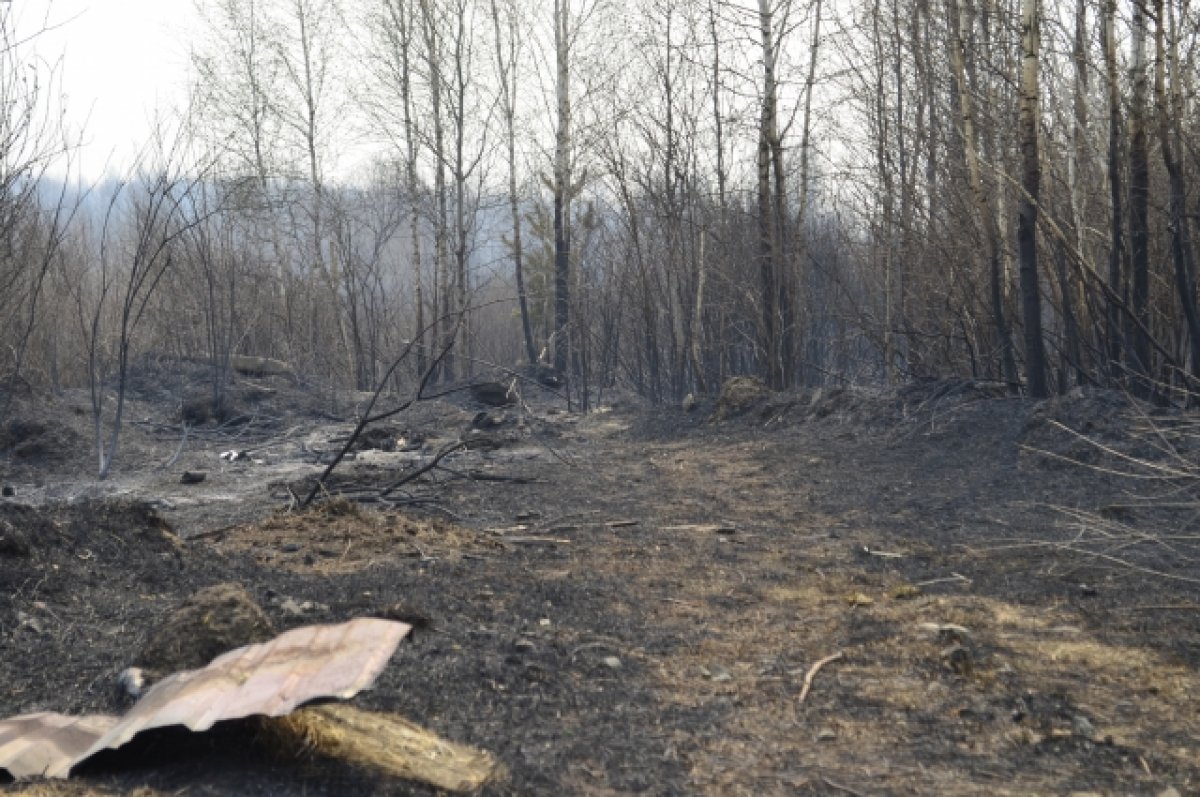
(121, 59)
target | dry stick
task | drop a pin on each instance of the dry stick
(840, 787)
(954, 578)
(1153, 466)
(421, 471)
(179, 449)
(812, 673)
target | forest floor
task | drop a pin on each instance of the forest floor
(636, 600)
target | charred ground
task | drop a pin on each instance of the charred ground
(630, 601)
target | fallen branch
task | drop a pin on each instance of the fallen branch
(534, 540)
(952, 578)
(421, 471)
(812, 673)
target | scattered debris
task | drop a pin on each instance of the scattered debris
(294, 608)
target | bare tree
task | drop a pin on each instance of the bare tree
(1031, 176)
(562, 182)
(1171, 108)
(142, 231)
(507, 35)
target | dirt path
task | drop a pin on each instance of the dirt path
(644, 616)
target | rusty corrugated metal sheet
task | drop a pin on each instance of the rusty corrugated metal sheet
(270, 678)
(37, 744)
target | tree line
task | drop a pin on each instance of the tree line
(656, 195)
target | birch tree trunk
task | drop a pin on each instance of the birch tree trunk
(562, 186)
(778, 327)
(983, 206)
(1031, 176)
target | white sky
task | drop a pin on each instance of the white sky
(121, 59)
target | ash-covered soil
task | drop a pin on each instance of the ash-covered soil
(1002, 594)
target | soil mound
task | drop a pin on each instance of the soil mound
(739, 395)
(39, 442)
(70, 545)
(214, 620)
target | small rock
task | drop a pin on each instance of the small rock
(131, 682)
(1082, 726)
(719, 674)
(29, 623)
(525, 645)
(8, 491)
(826, 735)
(192, 477)
(294, 608)
(611, 662)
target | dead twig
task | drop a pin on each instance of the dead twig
(421, 471)
(840, 787)
(812, 673)
(952, 578)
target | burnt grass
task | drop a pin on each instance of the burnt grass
(632, 601)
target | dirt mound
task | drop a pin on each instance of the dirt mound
(39, 441)
(214, 620)
(739, 395)
(66, 546)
